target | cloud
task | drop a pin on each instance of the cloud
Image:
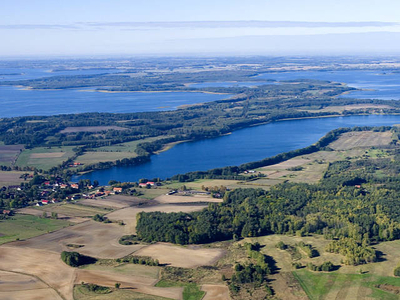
(39, 26)
(239, 24)
(198, 24)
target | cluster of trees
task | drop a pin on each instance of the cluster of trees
(140, 260)
(326, 267)
(308, 250)
(75, 259)
(254, 273)
(355, 253)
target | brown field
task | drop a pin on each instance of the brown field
(294, 162)
(9, 154)
(356, 139)
(116, 201)
(197, 184)
(91, 129)
(46, 265)
(11, 178)
(215, 292)
(73, 210)
(139, 284)
(184, 257)
(128, 215)
(100, 240)
(173, 199)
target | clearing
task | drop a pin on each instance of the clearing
(173, 199)
(91, 129)
(215, 292)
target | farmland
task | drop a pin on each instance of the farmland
(21, 227)
(44, 158)
(9, 154)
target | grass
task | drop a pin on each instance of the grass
(191, 291)
(318, 285)
(82, 293)
(27, 157)
(27, 226)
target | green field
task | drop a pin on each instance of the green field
(44, 157)
(113, 152)
(81, 293)
(191, 291)
(320, 285)
(27, 226)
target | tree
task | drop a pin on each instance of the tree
(117, 285)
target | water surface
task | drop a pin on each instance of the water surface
(246, 145)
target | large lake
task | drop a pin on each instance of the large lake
(246, 145)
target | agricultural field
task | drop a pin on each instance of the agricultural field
(21, 227)
(179, 199)
(112, 202)
(96, 239)
(113, 152)
(172, 255)
(73, 209)
(9, 154)
(81, 293)
(361, 139)
(44, 158)
(8, 178)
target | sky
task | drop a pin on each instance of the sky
(219, 27)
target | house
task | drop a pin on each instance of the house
(142, 184)
(6, 212)
(117, 189)
(63, 186)
(150, 183)
(75, 185)
(39, 204)
(45, 201)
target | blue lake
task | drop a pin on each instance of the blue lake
(246, 145)
(18, 102)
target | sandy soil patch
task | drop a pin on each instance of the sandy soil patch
(91, 129)
(185, 257)
(215, 292)
(100, 240)
(355, 139)
(139, 284)
(47, 155)
(46, 265)
(186, 199)
(128, 215)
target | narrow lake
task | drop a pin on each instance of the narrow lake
(246, 145)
